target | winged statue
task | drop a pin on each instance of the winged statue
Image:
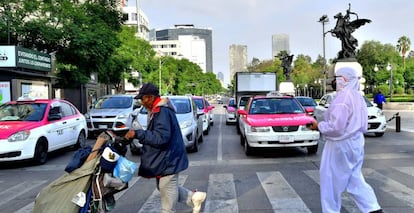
(343, 30)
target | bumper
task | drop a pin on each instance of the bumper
(14, 151)
(289, 139)
(230, 118)
(106, 124)
(378, 125)
(189, 136)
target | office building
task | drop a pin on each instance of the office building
(238, 59)
(280, 42)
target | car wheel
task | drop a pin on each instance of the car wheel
(40, 153)
(227, 123)
(247, 148)
(195, 146)
(81, 142)
(312, 149)
(379, 134)
(201, 138)
(207, 130)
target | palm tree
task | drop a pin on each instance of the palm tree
(403, 47)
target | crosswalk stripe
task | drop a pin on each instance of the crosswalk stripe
(406, 170)
(221, 194)
(388, 185)
(347, 202)
(282, 196)
(153, 203)
(18, 190)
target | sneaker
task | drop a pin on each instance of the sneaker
(198, 198)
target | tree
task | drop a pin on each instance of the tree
(403, 47)
(81, 35)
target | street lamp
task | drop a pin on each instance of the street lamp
(324, 19)
(161, 61)
(389, 68)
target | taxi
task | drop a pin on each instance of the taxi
(30, 128)
(275, 121)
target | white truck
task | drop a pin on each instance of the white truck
(252, 83)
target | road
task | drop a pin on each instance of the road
(270, 181)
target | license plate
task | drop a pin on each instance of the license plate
(103, 127)
(286, 138)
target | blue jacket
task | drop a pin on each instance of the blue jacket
(163, 151)
(379, 99)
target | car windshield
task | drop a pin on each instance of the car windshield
(182, 105)
(199, 103)
(113, 103)
(232, 103)
(369, 104)
(275, 106)
(22, 112)
(306, 101)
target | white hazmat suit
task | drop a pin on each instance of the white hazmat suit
(343, 128)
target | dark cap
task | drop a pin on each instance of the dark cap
(147, 89)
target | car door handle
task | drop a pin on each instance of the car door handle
(64, 122)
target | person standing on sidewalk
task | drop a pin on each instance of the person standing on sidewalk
(379, 99)
(163, 153)
(343, 128)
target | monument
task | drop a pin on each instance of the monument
(343, 30)
(287, 86)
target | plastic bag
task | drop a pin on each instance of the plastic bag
(125, 169)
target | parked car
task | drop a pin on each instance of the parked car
(230, 111)
(190, 119)
(31, 128)
(377, 123)
(208, 119)
(307, 102)
(276, 121)
(111, 112)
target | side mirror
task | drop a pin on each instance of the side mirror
(210, 107)
(225, 106)
(309, 110)
(54, 117)
(241, 112)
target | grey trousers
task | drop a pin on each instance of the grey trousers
(171, 193)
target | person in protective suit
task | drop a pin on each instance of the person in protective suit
(343, 128)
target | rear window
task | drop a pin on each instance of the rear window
(182, 105)
(113, 103)
(199, 103)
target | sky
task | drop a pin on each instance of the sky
(253, 22)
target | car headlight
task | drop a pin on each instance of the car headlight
(123, 115)
(87, 115)
(304, 128)
(258, 129)
(380, 113)
(19, 136)
(186, 124)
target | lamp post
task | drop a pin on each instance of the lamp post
(389, 68)
(161, 61)
(324, 19)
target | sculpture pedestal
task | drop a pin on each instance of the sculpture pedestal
(287, 88)
(356, 66)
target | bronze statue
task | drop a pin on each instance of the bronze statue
(343, 31)
(286, 64)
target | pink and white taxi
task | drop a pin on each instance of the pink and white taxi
(276, 121)
(30, 128)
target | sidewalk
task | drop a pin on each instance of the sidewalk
(406, 112)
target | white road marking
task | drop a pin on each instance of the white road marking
(18, 190)
(220, 143)
(221, 194)
(282, 196)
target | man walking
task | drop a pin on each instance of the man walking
(163, 152)
(379, 99)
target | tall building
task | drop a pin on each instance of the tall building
(140, 22)
(238, 59)
(191, 41)
(280, 42)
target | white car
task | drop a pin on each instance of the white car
(377, 123)
(31, 128)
